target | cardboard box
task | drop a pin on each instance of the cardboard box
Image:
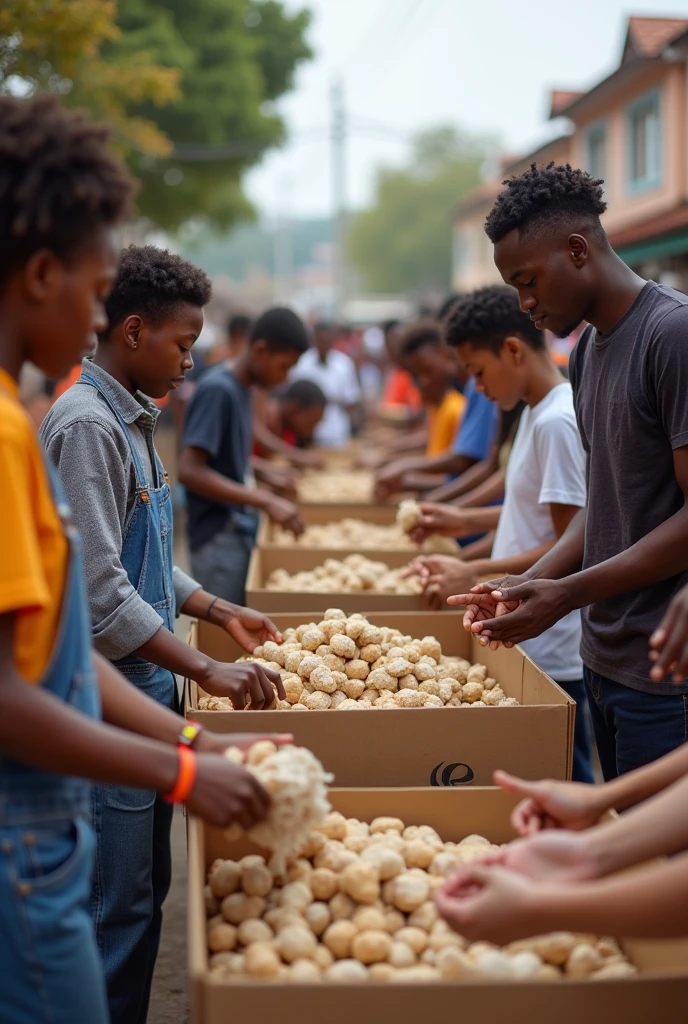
(381, 515)
(266, 560)
(660, 993)
(420, 747)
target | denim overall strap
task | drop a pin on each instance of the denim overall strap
(50, 970)
(147, 555)
(29, 794)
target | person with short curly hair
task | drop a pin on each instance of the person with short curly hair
(625, 556)
(99, 434)
(215, 461)
(61, 195)
(545, 479)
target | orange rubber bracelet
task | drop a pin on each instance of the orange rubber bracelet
(186, 777)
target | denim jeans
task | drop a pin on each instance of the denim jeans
(221, 565)
(133, 861)
(51, 972)
(582, 751)
(633, 728)
(131, 881)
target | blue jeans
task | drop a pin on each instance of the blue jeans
(582, 751)
(221, 565)
(51, 971)
(130, 883)
(633, 728)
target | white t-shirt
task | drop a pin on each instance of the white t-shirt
(547, 464)
(339, 383)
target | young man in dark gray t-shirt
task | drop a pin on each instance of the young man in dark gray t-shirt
(216, 455)
(625, 556)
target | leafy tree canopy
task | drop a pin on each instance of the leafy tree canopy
(402, 243)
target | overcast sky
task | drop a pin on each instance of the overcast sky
(485, 65)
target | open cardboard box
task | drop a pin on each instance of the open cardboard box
(266, 560)
(659, 993)
(418, 746)
(381, 515)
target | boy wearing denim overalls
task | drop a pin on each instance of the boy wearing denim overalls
(60, 195)
(100, 436)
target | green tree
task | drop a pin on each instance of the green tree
(403, 242)
(188, 86)
(56, 45)
(235, 58)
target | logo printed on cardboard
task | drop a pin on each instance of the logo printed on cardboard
(448, 776)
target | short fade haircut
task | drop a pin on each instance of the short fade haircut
(485, 318)
(304, 393)
(239, 323)
(281, 329)
(418, 335)
(549, 196)
(151, 282)
(58, 181)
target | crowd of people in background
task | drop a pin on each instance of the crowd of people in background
(568, 502)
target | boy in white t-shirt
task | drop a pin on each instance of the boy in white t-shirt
(545, 478)
(335, 374)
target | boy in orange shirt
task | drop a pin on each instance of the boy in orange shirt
(433, 368)
(61, 195)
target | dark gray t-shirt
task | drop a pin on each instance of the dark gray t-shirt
(219, 420)
(630, 390)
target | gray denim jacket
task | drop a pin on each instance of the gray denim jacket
(87, 445)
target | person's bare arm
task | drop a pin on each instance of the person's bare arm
(38, 729)
(248, 627)
(550, 804)
(239, 681)
(452, 575)
(478, 548)
(450, 521)
(196, 475)
(126, 707)
(499, 905)
(420, 482)
(531, 607)
(464, 485)
(389, 480)
(484, 494)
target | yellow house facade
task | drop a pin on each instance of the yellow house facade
(631, 129)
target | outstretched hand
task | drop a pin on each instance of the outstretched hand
(440, 575)
(483, 901)
(250, 629)
(442, 520)
(482, 605)
(551, 804)
(513, 611)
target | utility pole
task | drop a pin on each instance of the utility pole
(283, 245)
(339, 135)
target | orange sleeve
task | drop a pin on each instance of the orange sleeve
(66, 383)
(443, 426)
(22, 581)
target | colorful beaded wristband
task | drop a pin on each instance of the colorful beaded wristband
(189, 734)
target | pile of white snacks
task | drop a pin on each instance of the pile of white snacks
(357, 534)
(356, 905)
(408, 515)
(349, 664)
(297, 783)
(354, 574)
(332, 486)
